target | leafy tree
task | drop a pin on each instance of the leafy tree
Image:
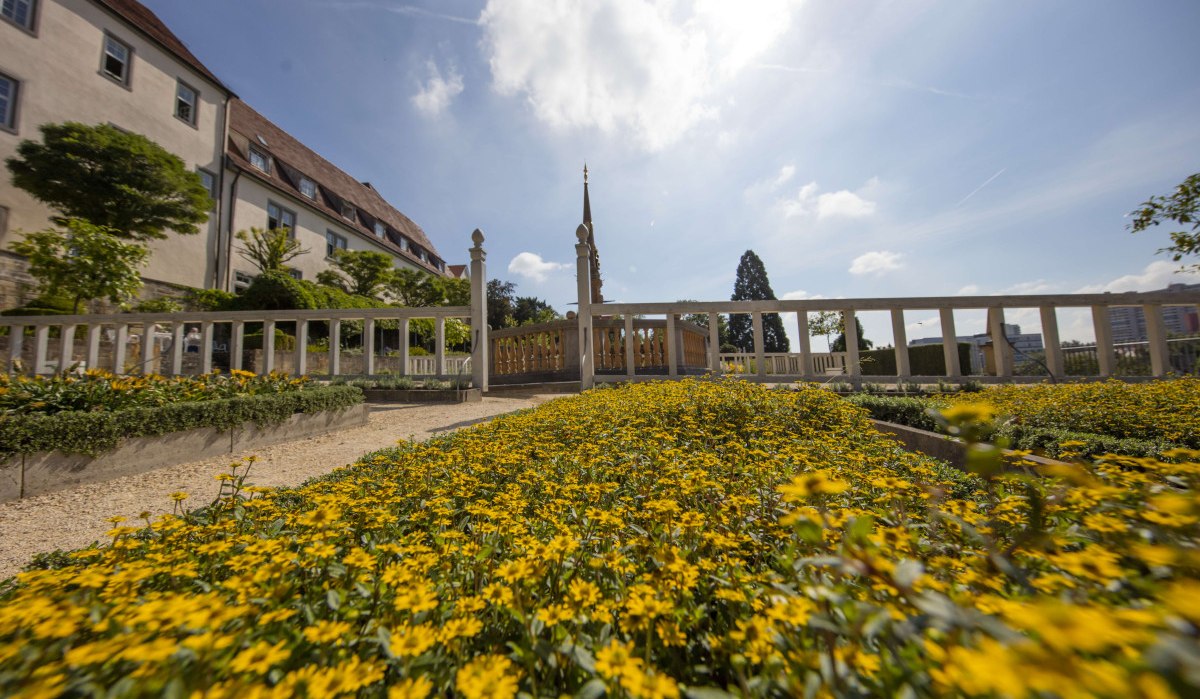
(359, 272)
(752, 285)
(414, 288)
(269, 250)
(121, 181)
(83, 262)
(500, 299)
(455, 292)
(826, 323)
(529, 309)
(839, 343)
(1182, 207)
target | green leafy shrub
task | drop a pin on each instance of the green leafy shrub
(97, 432)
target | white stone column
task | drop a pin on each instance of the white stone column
(1002, 355)
(1050, 338)
(900, 339)
(583, 278)
(851, 331)
(479, 328)
(806, 358)
(760, 347)
(714, 343)
(950, 344)
(1105, 355)
(1156, 333)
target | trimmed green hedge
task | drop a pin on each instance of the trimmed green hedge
(923, 360)
(93, 433)
(914, 412)
(902, 411)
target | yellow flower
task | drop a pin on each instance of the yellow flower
(327, 631)
(411, 641)
(260, 658)
(415, 688)
(488, 677)
(811, 484)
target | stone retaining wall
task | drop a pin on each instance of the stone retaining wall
(28, 475)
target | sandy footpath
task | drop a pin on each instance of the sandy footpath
(74, 518)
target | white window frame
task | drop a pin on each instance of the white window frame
(311, 184)
(211, 185)
(8, 116)
(295, 273)
(125, 80)
(283, 213)
(380, 230)
(266, 159)
(333, 242)
(193, 106)
(30, 13)
(242, 280)
(349, 211)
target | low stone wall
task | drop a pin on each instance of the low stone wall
(939, 446)
(24, 476)
(448, 395)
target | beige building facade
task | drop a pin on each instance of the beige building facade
(115, 62)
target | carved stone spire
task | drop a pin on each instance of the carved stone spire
(597, 282)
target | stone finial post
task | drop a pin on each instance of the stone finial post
(479, 314)
(583, 266)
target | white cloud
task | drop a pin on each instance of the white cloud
(785, 175)
(1156, 275)
(876, 262)
(840, 204)
(532, 266)
(650, 68)
(435, 96)
(968, 290)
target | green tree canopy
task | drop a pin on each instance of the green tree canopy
(414, 288)
(529, 309)
(119, 180)
(500, 299)
(84, 262)
(359, 272)
(752, 285)
(1182, 207)
(701, 319)
(269, 250)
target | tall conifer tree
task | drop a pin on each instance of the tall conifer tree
(752, 285)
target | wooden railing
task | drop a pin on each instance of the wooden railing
(549, 351)
(828, 363)
(178, 343)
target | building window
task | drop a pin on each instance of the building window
(116, 59)
(308, 188)
(209, 181)
(403, 243)
(241, 281)
(295, 273)
(333, 243)
(8, 103)
(260, 160)
(19, 12)
(279, 217)
(185, 103)
(347, 211)
(380, 229)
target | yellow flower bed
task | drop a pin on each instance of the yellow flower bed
(659, 540)
(1167, 410)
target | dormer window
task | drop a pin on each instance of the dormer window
(308, 188)
(403, 243)
(347, 211)
(380, 229)
(260, 161)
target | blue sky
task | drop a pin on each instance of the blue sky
(861, 148)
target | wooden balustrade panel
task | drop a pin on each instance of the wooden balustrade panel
(695, 350)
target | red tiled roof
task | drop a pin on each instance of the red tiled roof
(148, 23)
(457, 271)
(291, 159)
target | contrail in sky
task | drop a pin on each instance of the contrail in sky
(976, 190)
(409, 10)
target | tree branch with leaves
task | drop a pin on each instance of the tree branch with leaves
(1181, 207)
(269, 250)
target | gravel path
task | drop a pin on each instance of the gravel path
(74, 518)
